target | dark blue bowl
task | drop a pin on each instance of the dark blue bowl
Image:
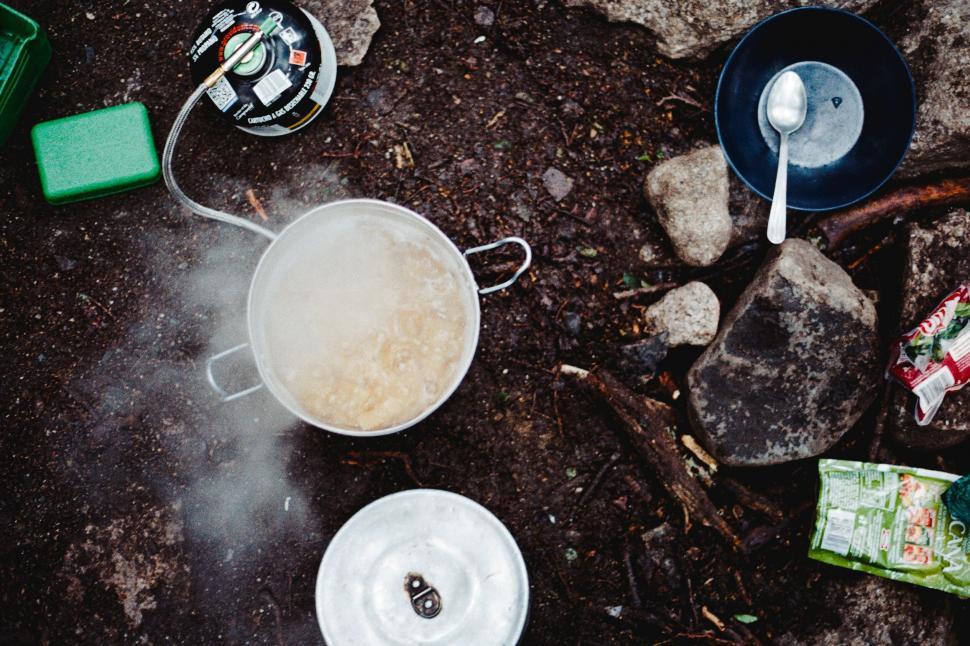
(852, 45)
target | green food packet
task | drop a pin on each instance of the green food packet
(890, 521)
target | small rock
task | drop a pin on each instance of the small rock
(649, 252)
(381, 100)
(873, 610)
(350, 23)
(484, 16)
(643, 357)
(660, 535)
(693, 29)
(557, 183)
(573, 323)
(469, 166)
(656, 253)
(794, 366)
(521, 205)
(64, 263)
(937, 261)
(688, 314)
(690, 196)
(571, 109)
(938, 50)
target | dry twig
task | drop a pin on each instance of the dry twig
(699, 452)
(358, 457)
(649, 289)
(256, 204)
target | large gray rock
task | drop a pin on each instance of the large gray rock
(350, 23)
(794, 366)
(688, 315)
(689, 193)
(872, 610)
(937, 262)
(694, 28)
(938, 51)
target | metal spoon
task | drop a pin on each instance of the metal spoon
(787, 106)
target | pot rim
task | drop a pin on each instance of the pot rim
(265, 373)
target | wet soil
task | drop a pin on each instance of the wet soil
(136, 508)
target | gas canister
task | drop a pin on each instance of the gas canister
(283, 83)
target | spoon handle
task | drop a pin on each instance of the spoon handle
(776, 220)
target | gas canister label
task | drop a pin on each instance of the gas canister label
(271, 86)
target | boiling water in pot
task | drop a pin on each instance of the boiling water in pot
(368, 321)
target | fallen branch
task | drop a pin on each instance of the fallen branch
(751, 499)
(841, 225)
(645, 422)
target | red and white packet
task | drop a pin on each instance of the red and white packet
(933, 358)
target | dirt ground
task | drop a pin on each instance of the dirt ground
(137, 509)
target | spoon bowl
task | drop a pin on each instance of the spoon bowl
(787, 103)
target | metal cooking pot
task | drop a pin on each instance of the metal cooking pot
(282, 248)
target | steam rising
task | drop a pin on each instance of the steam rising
(217, 472)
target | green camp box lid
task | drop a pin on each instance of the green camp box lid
(96, 153)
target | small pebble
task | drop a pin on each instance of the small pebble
(484, 16)
(573, 323)
(557, 183)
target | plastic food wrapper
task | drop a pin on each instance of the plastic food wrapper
(890, 521)
(934, 358)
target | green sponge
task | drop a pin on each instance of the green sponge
(95, 153)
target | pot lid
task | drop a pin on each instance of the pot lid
(425, 567)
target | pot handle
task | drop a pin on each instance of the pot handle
(223, 395)
(501, 243)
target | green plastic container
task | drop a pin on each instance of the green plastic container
(24, 53)
(95, 153)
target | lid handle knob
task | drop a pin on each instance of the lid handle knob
(425, 600)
